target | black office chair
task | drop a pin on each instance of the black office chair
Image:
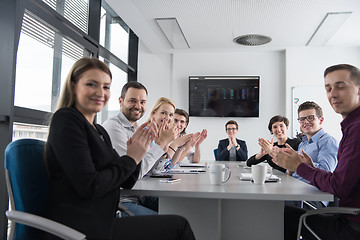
(329, 210)
(310, 206)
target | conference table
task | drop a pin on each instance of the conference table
(234, 210)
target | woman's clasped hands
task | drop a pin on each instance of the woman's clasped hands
(266, 145)
(166, 134)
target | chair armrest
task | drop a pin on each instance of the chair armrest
(44, 224)
(330, 210)
(308, 204)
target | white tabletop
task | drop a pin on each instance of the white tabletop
(198, 186)
(234, 210)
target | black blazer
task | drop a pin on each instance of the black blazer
(86, 174)
(223, 153)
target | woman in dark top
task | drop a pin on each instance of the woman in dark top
(231, 148)
(85, 171)
(278, 126)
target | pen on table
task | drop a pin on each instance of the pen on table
(171, 180)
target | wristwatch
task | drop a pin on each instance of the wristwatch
(237, 146)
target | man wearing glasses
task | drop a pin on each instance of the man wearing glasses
(342, 84)
(318, 144)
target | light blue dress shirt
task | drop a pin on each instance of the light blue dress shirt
(322, 148)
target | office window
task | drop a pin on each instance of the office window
(114, 33)
(119, 78)
(23, 130)
(49, 44)
(76, 11)
(44, 59)
(46, 53)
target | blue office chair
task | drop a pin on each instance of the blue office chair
(215, 153)
(29, 188)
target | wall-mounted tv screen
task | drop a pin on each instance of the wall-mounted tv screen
(227, 96)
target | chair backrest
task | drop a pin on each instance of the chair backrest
(27, 179)
(215, 153)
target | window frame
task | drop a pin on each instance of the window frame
(88, 41)
(11, 16)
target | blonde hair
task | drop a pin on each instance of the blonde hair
(158, 104)
(67, 98)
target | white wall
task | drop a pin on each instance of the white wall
(305, 67)
(154, 71)
(167, 75)
(272, 76)
(268, 65)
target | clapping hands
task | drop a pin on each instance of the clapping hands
(167, 133)
(232, 142)
(202, 136)
(197, 139)
(266, 147)
(290, 159)
(138, 144)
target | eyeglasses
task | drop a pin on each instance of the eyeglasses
(309, 118)
(231, 129)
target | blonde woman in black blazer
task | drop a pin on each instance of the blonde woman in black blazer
(85, 171)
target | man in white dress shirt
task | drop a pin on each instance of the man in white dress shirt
(121, 127)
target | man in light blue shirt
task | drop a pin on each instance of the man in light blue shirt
(322, 148)
(318, 144)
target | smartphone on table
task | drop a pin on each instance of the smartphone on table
(161, 176)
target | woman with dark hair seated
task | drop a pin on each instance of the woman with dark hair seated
(231, 148)
(278, 126)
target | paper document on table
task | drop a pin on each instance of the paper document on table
(192, 164)
(186, 170)
(248, 176)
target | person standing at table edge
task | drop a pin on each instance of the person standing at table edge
(342, 85)
(231, 148)
(278, 126)
(120, 128)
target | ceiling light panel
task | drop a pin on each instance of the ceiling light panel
(173, 32)
(327, 28)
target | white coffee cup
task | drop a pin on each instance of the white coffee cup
(259, 173)
(219, 173)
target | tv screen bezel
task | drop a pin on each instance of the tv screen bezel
(249, 77)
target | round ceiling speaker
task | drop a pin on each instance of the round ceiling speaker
(252, 40)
